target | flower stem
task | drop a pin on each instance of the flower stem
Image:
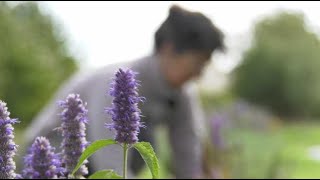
(125, 157)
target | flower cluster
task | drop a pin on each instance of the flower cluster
(41, 161)
(73, 126)
(124, 111)
(7, 146)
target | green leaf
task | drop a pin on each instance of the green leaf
(146, 151)
(91, 149)
(105, 174)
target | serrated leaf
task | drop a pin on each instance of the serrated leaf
(91, 149)
(149, 156)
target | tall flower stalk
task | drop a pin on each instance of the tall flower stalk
(8, 147)
(41, 161)
(124, 111)
(74, 119)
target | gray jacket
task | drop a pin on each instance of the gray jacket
(178, 110)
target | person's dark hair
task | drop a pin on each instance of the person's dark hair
(188, 31)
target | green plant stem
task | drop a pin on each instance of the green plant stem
(125, 157)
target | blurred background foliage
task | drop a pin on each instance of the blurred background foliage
(270, 106)
(33, 59)
(280, 71)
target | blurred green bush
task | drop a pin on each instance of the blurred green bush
(33, 59)
(280, 70)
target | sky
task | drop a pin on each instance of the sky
(101, 33)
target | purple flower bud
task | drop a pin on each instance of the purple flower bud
(7, 146)
(41, 162)
(125, 112)
(74, 119)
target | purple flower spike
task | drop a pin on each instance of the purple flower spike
(74, 119)
(7, 146)
(41, 161)
(125, 112)
(216, 132)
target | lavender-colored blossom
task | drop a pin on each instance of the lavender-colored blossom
(74, 119)
(216, 131)
(41, 161)
(124, 111)
(19, 176)
(7, 146)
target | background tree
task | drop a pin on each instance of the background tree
(33, 59)
(281, 70)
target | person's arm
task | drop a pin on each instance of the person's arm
(185, 136)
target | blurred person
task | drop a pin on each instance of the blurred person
(183, 47)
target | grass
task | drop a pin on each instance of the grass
(298, 139)
(280, 153)
(255, 154)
